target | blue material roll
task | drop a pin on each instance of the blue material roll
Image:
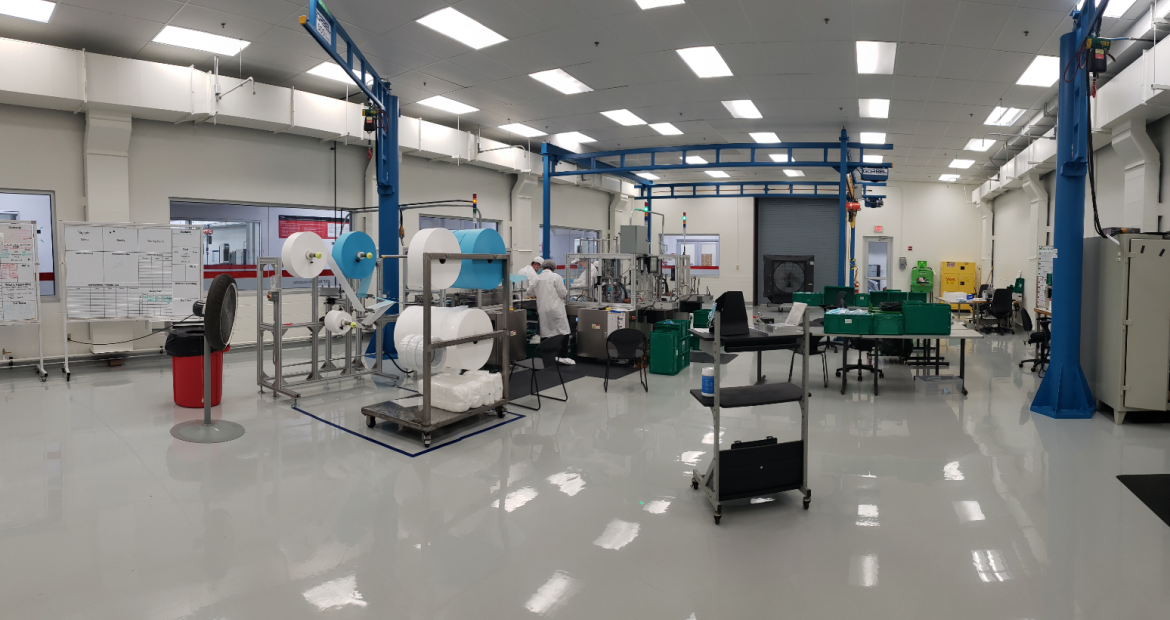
(355, 254)
(480, 273)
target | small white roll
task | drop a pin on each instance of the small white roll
(410, 354)
(411, 322)
(338, 322)
(433, 241)
(299, 255)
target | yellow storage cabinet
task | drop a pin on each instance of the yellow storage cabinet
(957, 277)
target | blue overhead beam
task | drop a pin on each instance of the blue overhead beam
(746, 189)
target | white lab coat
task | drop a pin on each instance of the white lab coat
(587, 278)
(549, 289)
(528, 272)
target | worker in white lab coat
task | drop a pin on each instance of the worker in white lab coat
(588, 276)
(530, 272)
(550, 291)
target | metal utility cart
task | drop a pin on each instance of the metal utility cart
(423, 417)
(761, 467)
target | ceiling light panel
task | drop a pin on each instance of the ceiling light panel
(876, 57)
(666, 129)
(874, 108)
(742, 108)
(649, 176)
(962, 163)
(462, 28)
(623, 117)
(202, 41)
(1044, 71)
(765, 137)
(695, 160)
(793, 173)
(448, 105)
(873, 137)
(35, 10)
(977, 144)
(560, 80)
(521, 129)
(705, 61)
(948, 177)
(575, 137)
(779, 157)
(653, 4)
(873, 159)
(1003, 117)
(719, 174)
(1117, 8)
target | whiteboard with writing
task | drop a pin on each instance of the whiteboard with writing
(19, 276)
(131, 271)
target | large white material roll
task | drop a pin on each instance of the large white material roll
(303, 255)
(433, 241)
(338, 322)
(449, 324)
(410, 355)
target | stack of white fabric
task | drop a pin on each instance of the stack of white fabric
(458, 393)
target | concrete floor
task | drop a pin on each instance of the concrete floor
(923, 506)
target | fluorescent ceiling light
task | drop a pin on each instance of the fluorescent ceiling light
(1044, 71)
(202, 41)
(653, 4)
(558, 79)
(521, 129)
(36, 10)
(447, 105)
(962, 163)
(334, 71)
(649, 176)
(742, 108)
(705, 61)
(623, 117)
(666, 129)
(976, 144)
(1117, 8)
(1163, 9)
(876, 57)
(575, 137)
(874, 108)
(873, 137)
(719, 174)
(794, 173)
(949, 178)
(873, 159)
(779, 157)
(1003, 117)
(462, 28)
(765, 137)
(695, 160)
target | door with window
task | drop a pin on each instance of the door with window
(877, 263)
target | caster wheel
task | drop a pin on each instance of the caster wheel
(500, 412)
(717, 518)
(68, 376)
(370, 421)
(426, 441)
(838, 373)
(806, 503)
(695, 484)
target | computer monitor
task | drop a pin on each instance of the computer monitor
(733, 318)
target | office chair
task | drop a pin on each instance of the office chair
(1000, 308)
(628, 344)
(863, 345)
(1041, 339)
(547, 351)
(840, 301)
(817, 345)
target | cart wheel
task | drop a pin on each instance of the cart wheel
(1021, 364)
(838, 372)
(695, 484)
(44, 377)
(427, 440)
(370, 421)
(68, 376)
(806, 502)
(500, 412)
(717, 518)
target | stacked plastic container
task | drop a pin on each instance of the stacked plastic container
(670, 349)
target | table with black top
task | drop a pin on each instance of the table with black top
(779, 338)
(960, 332)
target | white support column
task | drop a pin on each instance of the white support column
(521, 239)
(1037, 219)
(1141, 163)
(107, 198)
(987, 220)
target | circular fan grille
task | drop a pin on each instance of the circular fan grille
(788, 277)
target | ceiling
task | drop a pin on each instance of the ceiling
(795, 59)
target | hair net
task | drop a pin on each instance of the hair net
(549, 264)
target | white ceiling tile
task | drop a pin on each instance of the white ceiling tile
(918, 59)
(961, 63)
(1005, 67)
(1038, 24)
(949, 91)
(928, 21)
(147, 10)
(725, 22)
(878, 20)
(775, 20)
(219, 22)
(484, 65)
(553, 14)
(912, 88)
(977, 24)
(905, 110)
(939, 111)
(501, 16)
(678, 26)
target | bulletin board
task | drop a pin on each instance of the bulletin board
(1046, 255)
(19, 276)
(131, 271)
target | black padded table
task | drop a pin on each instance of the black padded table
(752, 395)
(782, 337)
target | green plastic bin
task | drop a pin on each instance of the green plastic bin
(666, 353)
(888, 323)
(701, 317)
(912, 296)
(927, 319)
(831, 295)
(848, 324)
(812, 299)
(880, 297)
(861, 300)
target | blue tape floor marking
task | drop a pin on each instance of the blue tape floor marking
(403, 452)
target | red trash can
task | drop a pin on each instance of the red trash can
(185, 346)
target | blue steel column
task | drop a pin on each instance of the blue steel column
(841, 213)
(388, 196)
(1064, 392)
(546, 213)
(853, 256)
(649, 221)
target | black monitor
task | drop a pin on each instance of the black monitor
(733, 318)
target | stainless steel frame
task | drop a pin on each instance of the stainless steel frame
(424, 417)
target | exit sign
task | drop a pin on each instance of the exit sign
(877, 229)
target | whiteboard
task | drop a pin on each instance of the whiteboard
(131, 271)
(19, 276)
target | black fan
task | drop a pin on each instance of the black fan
(219, 316)
(785, 275)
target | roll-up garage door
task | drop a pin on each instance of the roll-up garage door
(795, 226)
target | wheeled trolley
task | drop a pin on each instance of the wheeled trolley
(754, 468)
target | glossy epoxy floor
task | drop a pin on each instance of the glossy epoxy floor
(923, 507)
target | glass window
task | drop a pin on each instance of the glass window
(566, 241)
(36, 207)
(454, 223)
(703, 250)
(228, 243)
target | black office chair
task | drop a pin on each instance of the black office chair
(1041, 339)
(840, 301)
(982, 290)
(863, 345)
(631, 345)
(817, 345)
(1000, 308)
(547, 351)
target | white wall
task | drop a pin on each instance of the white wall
(1015, 251)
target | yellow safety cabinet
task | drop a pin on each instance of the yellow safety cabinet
(956, 277)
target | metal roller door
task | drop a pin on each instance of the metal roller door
(799, 225)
